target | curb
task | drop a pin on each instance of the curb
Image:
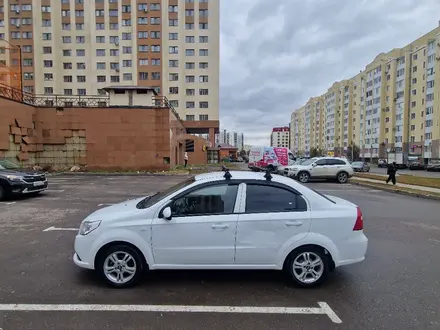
(111, 174)
(401, 192)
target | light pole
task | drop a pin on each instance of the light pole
(371, 154)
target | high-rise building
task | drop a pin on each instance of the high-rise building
(280, 137)
(232, 138)
(79, 47)
(393, 106)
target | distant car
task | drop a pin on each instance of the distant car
(360, 166)
(416, 166)
(382, 163)
(17, 181)
(433, 166)
(224, 220)
(322, 168)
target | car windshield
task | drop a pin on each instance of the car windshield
(153, 199)
(8, 165)
(309, 161)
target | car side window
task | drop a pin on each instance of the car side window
(268, 199)
(321, 162)
(217, 199)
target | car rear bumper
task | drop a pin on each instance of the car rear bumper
(353, 250)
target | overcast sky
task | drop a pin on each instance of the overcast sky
(276, 54)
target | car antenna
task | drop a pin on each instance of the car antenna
(227, 175)
(267, 176)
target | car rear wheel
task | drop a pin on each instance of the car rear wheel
(121, 266)
(2, 193)
(303, 177)
(342, 177)
(307, 266)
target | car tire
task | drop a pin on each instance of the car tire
(342, 177)
(303, 177)
(2, 193)
(307, 266)
(271, 168)
(113, 257)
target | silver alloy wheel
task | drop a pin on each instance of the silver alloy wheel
(303, 177)
(342, 177)
(308, 267)
(120, 267)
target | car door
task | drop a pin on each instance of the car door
(334, 166)
(273, 218)
(202, 227)
(319, 169)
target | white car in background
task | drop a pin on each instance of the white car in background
(224, 220)
(329, 168)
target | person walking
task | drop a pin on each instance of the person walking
(391, 171)
(186, 159)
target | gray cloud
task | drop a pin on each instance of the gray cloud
(275, 55)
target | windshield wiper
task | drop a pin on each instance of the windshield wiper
(142, 203)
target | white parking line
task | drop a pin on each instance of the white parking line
(60, 229)
(54, 190)
(8, 203)
(105, 204)
(324, 309)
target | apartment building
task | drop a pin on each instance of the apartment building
(234, 139)
(280, 137)
(79, 47)
(392, 106)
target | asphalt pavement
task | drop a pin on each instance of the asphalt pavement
(396, 287)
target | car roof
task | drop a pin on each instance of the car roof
(245, 175)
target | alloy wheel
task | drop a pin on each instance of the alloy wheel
(120, 267)
(308, 267)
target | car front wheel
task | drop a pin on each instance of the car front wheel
(2, 192)
(307, 266)
(120, 266)
(303, 177)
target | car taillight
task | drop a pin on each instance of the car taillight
(359, 225)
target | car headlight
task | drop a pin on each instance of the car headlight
(88, 226)
(14, 177)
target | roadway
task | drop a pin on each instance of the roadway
(396, 287)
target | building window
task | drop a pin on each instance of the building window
(190, 92)
(127, 63)
(203, 39)
(81, 91)
(190, 118)
(189, 52)
(203, 65)
(127, 50)
(47, 36)
(142, 20)
(190, 65)
(80, 66)
(48, 90)
(155, 61)
(203, 52)
(126, 8)
(190, 105)
(173, 50)
(143, 75)
(154, 6)
(174, 90)
(189, 26)
(189, 12)
(126, 36)
(190, 39)
(127, 76)
(203, 117)
(174, 103)
(80, 39)
(155, 34)
(101, 79)
(155, 76)
(203, 91)
(203, 105)
(67, 79)
(173, 22)
(155, 49)
(143, 48)
(79, 26)
(173, 63)
(190, 79)
(143, 61)
(47, 50)
(173, 77)
(80, 78)
(114, 79)
(173, 9)
(155, 20)
(47, 63)
(203, 79)
(100, 52)
(173, 36)
(203, 26)
(68, 92)
(100, 26)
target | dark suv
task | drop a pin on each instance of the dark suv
(17, 181)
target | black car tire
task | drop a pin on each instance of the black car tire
(303, 177)
(316, 252)
(139, 264)
(2, 192)
(342, 177)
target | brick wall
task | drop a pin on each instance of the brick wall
(101, 138)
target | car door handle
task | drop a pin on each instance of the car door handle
(219, 226)
(293, 223)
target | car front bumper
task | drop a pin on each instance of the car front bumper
(83, 256)
(23, 188)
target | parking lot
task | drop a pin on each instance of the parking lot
(396, 287)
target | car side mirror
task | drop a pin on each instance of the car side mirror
(167, 213)
(314, 164)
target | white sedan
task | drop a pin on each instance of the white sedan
(224, 220)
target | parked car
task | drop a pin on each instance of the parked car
(215, 221)
(416, 166)
(17, 181)
(433, 166)
(360, 166)
(382, 163)
(322, 168)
